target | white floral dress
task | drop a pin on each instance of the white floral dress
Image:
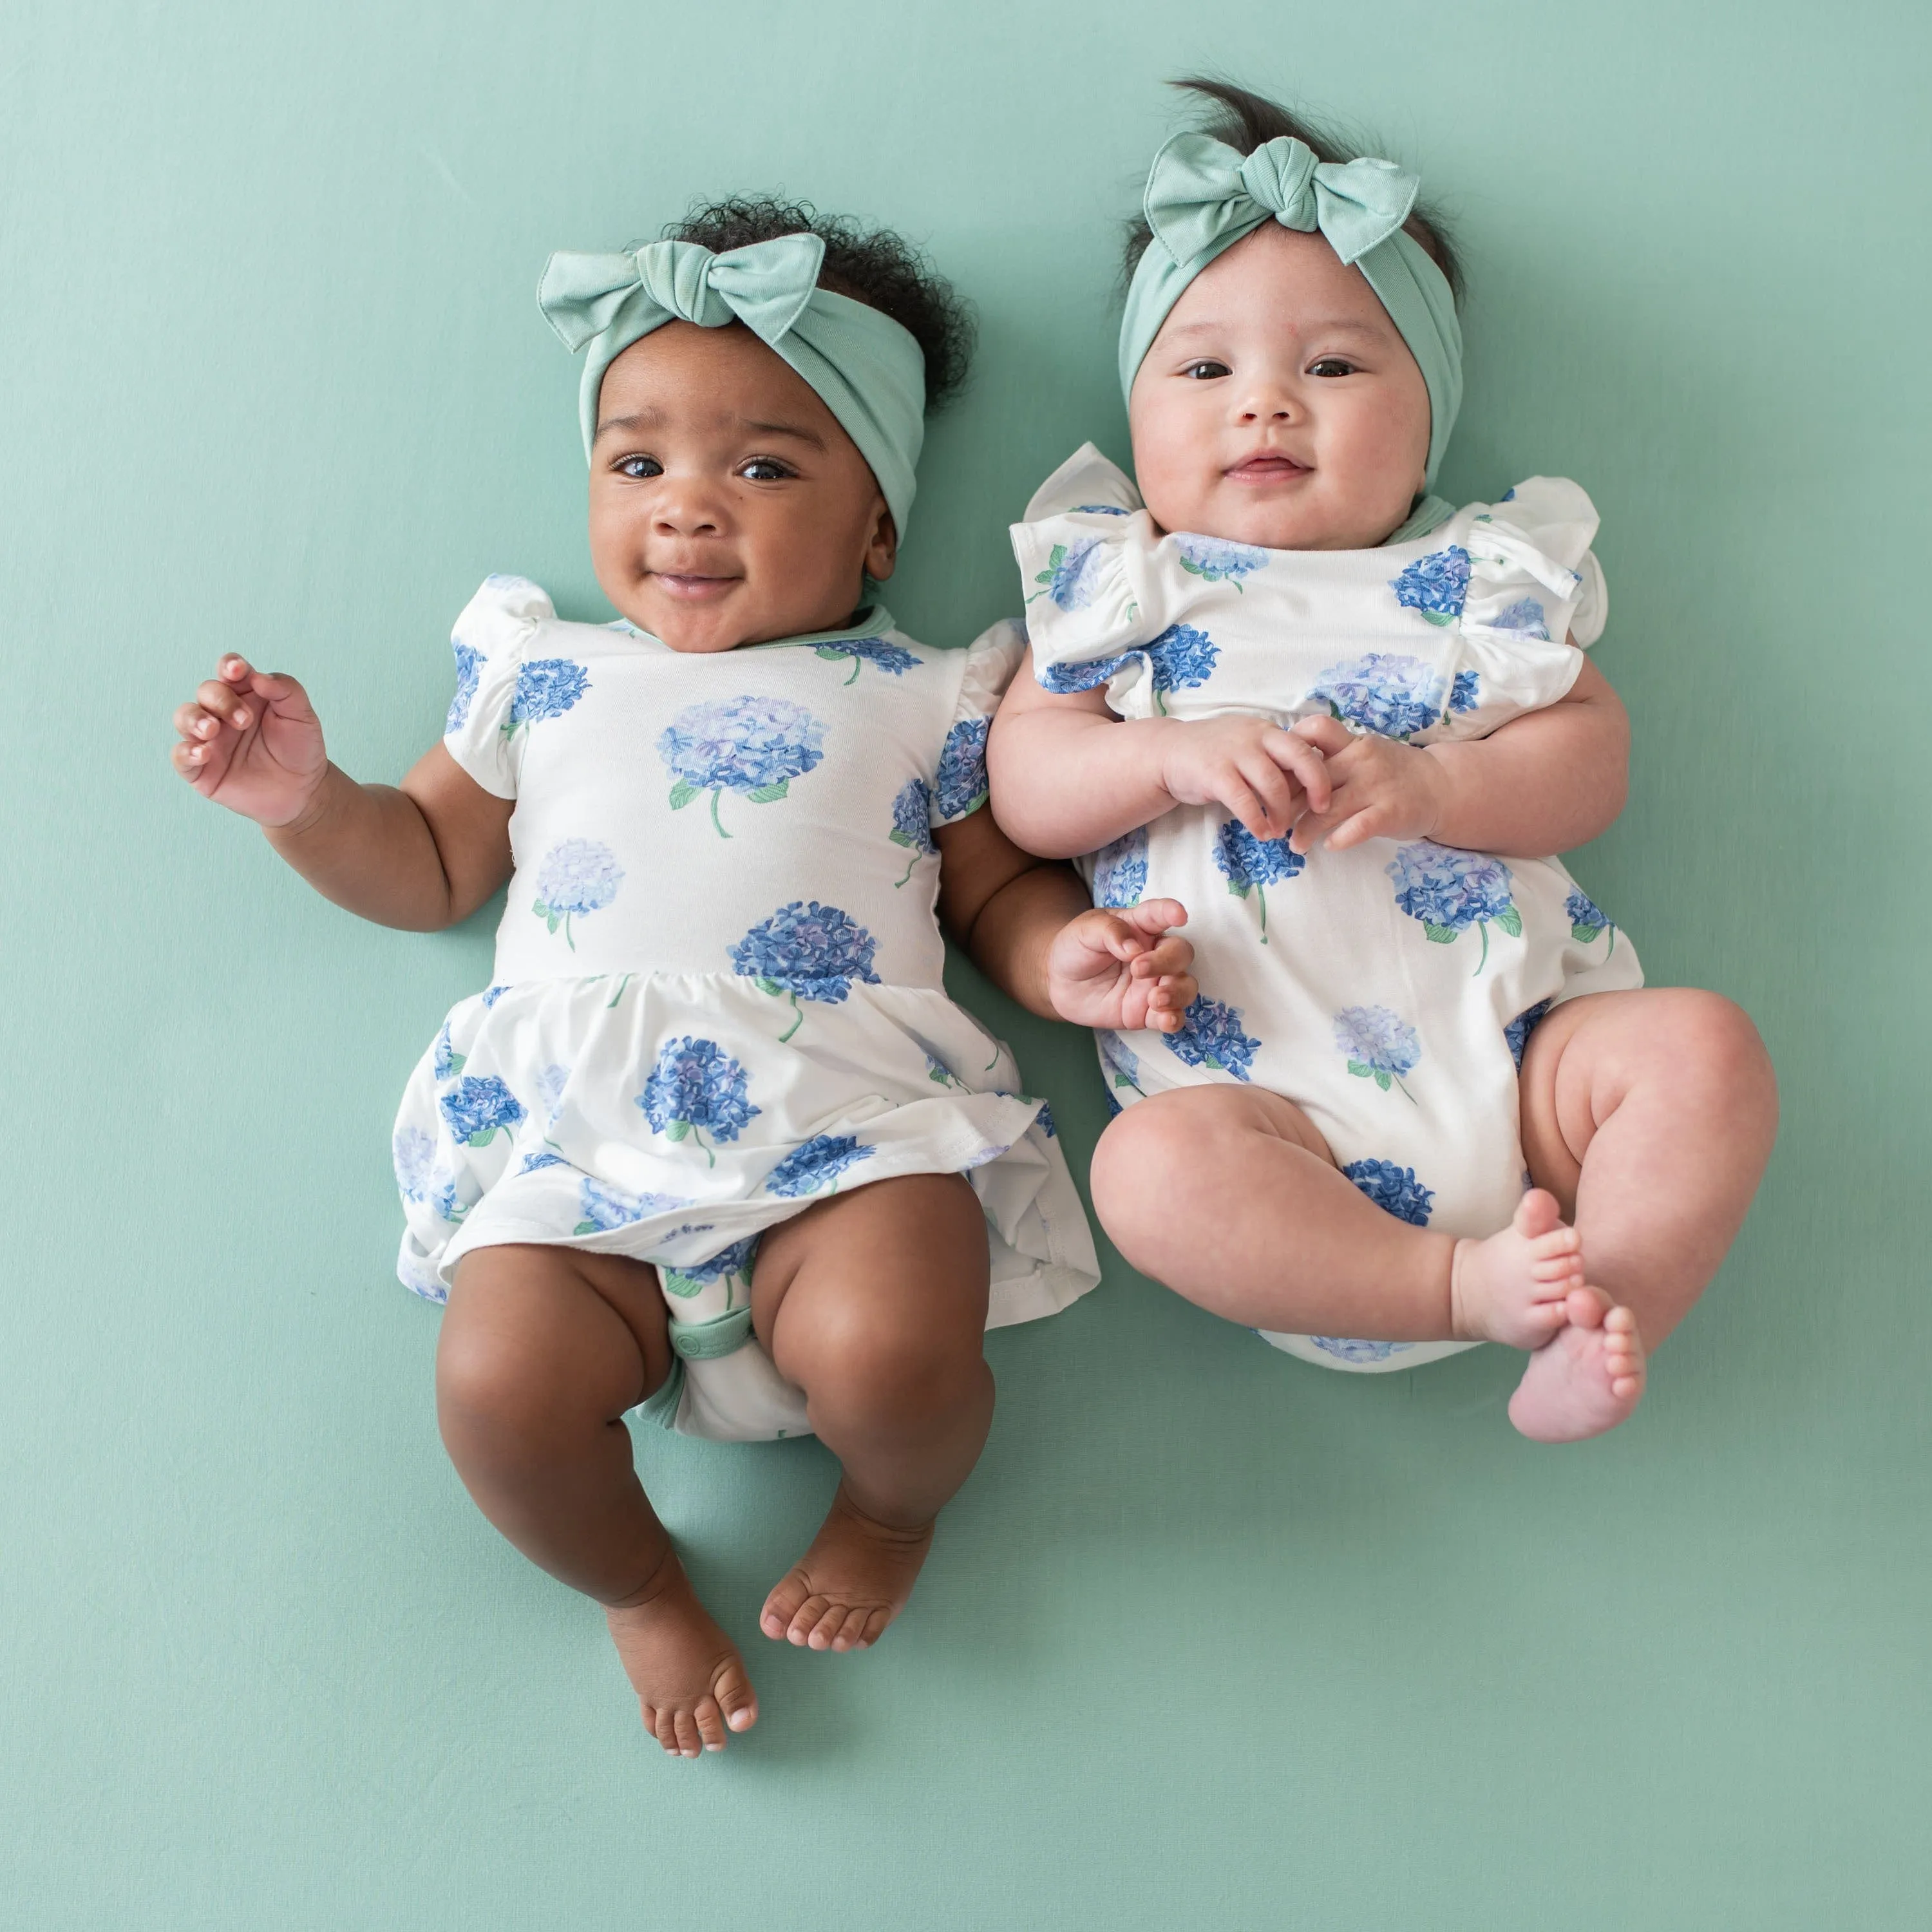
(1387, 990)
(717, 993)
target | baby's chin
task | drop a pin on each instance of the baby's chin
(723, 624)
(1293, 516)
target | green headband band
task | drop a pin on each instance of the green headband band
(867, 370)
(1203, 196)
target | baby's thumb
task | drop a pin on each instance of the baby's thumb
(1155, 916)
(1327, 735)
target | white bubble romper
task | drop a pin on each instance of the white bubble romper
(1387, 990)
(717, 993)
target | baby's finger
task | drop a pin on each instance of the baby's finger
(227, 702)
(1305, 761)
(192, 722)
(1327, 735)
(1168, 955)
(1371, 822)
(1154, 917)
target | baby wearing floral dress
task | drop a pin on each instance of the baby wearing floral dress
(1422, 1099)
(714, 1136)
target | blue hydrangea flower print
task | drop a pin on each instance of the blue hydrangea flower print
(1378, 1045)
(1071, 574)
(1436, 585)
(1044, 1120)
(1394, 1189)
(1350, 1349)
(479, 1107)
(534, 1163)
(756, 746)
(818, 1163)
(1526, 616)
(546, 688)
(468, 675)
(447, 1062)
(491, 995)
(1210, 1036)
(578, 877)
(1449, 891)
(421, 1178)
(912, 823)
(1392, 695)
(697, 1088)
(1218, 561)
(876, 651)
(1181, 658)
(1465, 693)
(813, 949)
(937, 1070)
(1588, 920)
(960, 783)
(729, 1265)
(551, 1083)
(1120, 870)
(1122, 1063)
(1099, 510)
(1251, 864)
(1515, 1035)
(603, 1206)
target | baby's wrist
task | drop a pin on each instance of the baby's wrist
(315, 807)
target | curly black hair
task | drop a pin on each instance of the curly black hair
(1245, 121)
(872, 266)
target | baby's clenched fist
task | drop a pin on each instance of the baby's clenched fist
(249, 740)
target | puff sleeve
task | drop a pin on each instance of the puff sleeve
(958, 787)
(1534, 583)
(490, 642)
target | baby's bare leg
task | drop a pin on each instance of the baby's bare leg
(1650, 1116)
(542, 1350)
(874, 1304)
(1230, 1196)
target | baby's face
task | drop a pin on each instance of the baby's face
(727, 506)
(1278, 405)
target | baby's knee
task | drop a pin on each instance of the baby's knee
(492, 1400)
(1712, 1048)
(1148, 1159)
(895, 1370)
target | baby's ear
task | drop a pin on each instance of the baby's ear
(882, 551)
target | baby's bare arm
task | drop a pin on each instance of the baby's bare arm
(1027, 925)
(1067, 776)
(1546, 782)
(421, 857)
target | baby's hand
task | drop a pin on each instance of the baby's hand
(1381, 789)
(1124, 969)
(1267, 777)
(249, 741)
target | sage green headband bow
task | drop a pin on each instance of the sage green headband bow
(867, 371)
(1203, 196)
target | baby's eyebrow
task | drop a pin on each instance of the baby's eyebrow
(653, 417)
(1321, 325)
(792, 430)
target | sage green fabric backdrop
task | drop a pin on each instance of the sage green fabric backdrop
(1211, 1639)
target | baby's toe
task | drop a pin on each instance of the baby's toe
(1585, 1307)
(690, 1739)
(710, 1722)
(1536, 1214)
(805, 1620)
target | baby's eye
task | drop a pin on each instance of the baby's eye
(639, 469)
(1331, 365)
(1206, 370)
(764, 470)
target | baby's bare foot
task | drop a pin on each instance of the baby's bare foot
(1585, 1381)
(689, 1678)
(851, 1583)
(1515, 1287)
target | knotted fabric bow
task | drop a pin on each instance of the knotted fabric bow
(1203, 196)
(868, 370)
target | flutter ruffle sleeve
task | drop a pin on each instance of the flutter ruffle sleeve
(497, 682)
(959, 786)
(1534, 585)
(1086, 553)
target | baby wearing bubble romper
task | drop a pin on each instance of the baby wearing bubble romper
(715, 1134)
(1423, 1098)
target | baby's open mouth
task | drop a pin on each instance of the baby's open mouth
(1270, 466)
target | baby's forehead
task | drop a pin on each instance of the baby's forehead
(681, 375)
(1278, 278)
